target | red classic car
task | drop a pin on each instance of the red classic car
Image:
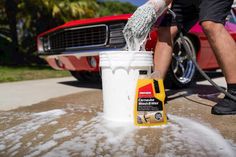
(75, 46)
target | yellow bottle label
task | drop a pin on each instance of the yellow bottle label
(149, 107)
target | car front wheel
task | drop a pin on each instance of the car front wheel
(182, 70)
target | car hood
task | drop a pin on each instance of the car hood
(90, 21)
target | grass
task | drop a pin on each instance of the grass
(11, 74)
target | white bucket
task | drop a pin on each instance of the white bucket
(120, 72)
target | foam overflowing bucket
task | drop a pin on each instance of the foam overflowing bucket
(120, 72)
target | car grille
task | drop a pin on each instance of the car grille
(116, 37)
(74, 39)
(77, 37)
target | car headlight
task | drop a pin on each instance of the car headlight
(46, 44)
(40, 45)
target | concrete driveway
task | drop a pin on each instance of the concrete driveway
(73, 125)
(26, 93)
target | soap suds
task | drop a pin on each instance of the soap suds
(99, 137)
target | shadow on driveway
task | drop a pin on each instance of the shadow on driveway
(97, 85)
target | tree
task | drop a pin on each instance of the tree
(109, 7)
(22, 20)
(11, 14)
(38, 16)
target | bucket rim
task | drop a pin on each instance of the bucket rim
(109, 52)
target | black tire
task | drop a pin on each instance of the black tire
(86, 76)
(182, 71)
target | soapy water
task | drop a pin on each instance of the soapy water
(99, 137)
(140, 23)
(11, 137)
(185, 135)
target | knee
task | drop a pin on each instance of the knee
(210, 27)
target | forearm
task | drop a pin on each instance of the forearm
(168, 1)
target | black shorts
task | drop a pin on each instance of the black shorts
(189, 12)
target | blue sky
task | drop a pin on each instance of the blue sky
(135, 2)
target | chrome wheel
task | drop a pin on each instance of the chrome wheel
(182, 67)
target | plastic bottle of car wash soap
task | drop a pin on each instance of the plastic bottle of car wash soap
(149, 107)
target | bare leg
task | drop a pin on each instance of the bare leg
(163, 50)
(224, 48)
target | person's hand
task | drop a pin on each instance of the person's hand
(155, 75)
(140, 23)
